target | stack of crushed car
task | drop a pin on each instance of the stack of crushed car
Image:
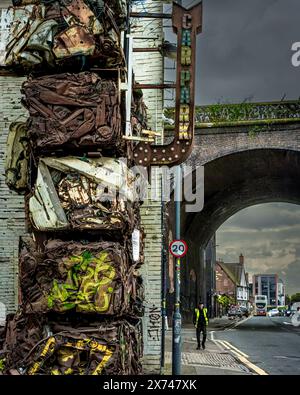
(57, 33)
(81, 294)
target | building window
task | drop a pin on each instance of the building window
(272, 283)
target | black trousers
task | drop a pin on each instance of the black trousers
(201, 328)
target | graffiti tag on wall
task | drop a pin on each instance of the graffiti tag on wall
(154, 322)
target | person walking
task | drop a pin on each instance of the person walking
(200, 321)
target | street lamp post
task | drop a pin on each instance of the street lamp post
(187, 24)
(176, 344)
(176, 341)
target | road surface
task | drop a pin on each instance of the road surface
(272, 344)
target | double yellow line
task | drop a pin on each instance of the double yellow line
(242, 357)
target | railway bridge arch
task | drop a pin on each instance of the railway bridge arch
(246, 162)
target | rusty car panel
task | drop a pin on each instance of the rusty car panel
(17, 157)
(78, 11)
(72, 42)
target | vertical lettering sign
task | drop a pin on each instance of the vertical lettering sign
(187, 23)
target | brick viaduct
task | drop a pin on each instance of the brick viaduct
(245, 163)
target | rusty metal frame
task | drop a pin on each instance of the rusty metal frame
(187, 23)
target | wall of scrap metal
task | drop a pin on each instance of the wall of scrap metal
(80, 290)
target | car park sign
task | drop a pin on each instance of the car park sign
(178, 248)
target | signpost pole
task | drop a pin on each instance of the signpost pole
(176, 340)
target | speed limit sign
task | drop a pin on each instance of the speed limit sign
(178, 248)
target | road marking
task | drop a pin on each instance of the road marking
(241, 322)
(223, 344)
(240, 356)
(251, 365)
(236, 349)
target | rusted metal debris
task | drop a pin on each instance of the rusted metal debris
(75, 110)
(17, 155)
(51, 32)
(79, 276)
(82, 193)
(41, 345)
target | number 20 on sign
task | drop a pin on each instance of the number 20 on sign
(178, 248)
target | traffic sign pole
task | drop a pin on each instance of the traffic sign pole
(176, 339)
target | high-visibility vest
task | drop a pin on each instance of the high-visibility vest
(198, 315)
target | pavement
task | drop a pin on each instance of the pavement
(216, 359)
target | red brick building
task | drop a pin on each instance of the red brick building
(232, 280)
(225, 284)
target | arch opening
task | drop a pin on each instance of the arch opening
(234, 183)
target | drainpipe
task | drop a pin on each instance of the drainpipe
(129, 86)
(163, 277)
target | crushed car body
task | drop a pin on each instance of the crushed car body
(79, 276)
(40, 345)
(82, 193)
(73, 110)
(49, 33)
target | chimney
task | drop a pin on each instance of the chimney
(241, 260)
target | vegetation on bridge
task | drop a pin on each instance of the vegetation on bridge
(259, 116)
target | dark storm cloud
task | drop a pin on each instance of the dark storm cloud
(263, 217)
(244, 51)
(269, 237)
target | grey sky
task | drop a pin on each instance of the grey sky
(244, 50)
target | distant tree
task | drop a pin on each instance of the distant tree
(287, 299)
(226, 300)
(295, 297)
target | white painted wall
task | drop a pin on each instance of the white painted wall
(12, 214)
(148, 68)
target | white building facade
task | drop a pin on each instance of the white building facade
(280, 293)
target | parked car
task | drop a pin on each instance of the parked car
(245, 311)
(234, 312)
(274, 313)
